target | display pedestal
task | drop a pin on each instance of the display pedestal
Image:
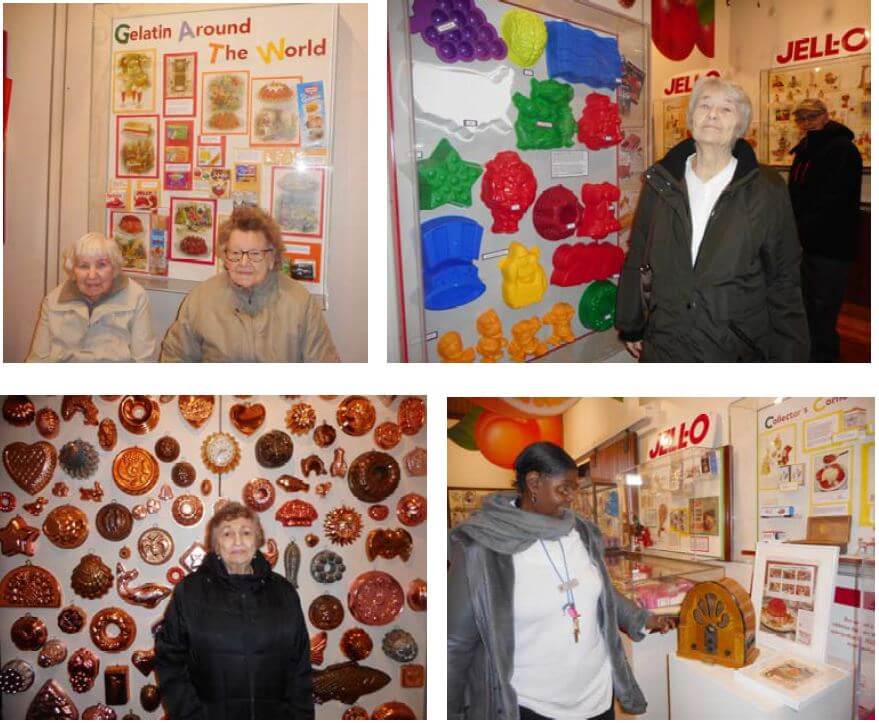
(700, 691)
(647, 659)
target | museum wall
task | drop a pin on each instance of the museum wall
(342, 508)
(49, 162)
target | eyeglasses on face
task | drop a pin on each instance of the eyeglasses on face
(255, 256)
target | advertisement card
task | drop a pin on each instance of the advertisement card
(180, 72)
(134, 81)
(313, 113)
(131, 232)
(225, 102)
(275, 112)
(193, 230)
(137, 146)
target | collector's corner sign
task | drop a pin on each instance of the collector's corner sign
(700, 430)
(823, 45)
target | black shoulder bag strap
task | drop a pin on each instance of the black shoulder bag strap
(645, 270)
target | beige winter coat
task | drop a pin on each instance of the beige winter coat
(117, 328)
(278, 321)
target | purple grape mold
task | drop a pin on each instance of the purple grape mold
(457, 30)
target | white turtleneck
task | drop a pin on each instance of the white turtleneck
(553, 675)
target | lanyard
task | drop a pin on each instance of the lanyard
(566, 586)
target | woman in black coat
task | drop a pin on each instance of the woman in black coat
(234, 642)
(713, 269)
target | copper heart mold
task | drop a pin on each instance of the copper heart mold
(30, 466)
(247, 418)
(196, 408)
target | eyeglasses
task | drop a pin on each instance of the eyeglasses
(255, 256)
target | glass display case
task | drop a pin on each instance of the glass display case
(658, 584)
(504, 117)
(680, 502)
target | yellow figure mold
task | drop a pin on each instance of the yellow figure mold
(491, 342)
(525, 341)
(524, 279)
(559, 318)
(525, 34)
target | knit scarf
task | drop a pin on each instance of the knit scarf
(507, 529)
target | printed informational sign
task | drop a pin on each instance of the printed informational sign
(218, 109)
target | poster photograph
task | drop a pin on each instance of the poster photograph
(134, 81)
(819, 432)
(131, 232)
(193, 230)
(137, 146)
(831, 477)
(180, 70)
(789, 600)
(225, 101)
(778, 448)
(275, 115)
(297, 200)
(704, 516)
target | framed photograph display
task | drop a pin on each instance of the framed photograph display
(134, 81)
(193, 230)
(180, 72)
(137, 146)
(274, 111)
(464, 501)
(683, 500)
(225, 102)
(131, 232)
(792, 592)
(302, 262)
(298, 200)
(831, 477)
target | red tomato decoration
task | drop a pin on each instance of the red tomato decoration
(551, 430)
(705, 39)
(675, 27)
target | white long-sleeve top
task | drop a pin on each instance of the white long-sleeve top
(702, 196)
(553, 675)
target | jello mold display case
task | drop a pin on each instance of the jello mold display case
(518, 138)
(105, 502)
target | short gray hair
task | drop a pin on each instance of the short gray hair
(93, 246)
(733, 92)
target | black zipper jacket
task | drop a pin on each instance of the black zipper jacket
(825, 190)
(741, 301)
(234, 646)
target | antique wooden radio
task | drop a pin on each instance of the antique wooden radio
(718, 624)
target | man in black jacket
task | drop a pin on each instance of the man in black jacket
(825, 189)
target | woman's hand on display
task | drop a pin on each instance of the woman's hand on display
(634, 348)
(660, 623)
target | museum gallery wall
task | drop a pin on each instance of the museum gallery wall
(104, 505)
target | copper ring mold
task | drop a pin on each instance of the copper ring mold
(175, 574)
(155, 546)
(187, 510)
(135, 471)
(7, 502)
(139, 414)
(103, 619)
(259, 494)
(373, 476)
(355, 415)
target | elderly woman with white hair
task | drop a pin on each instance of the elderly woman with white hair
(98, 314)
(713, 268)
(253, 312)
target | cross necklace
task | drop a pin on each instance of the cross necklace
(567, 586)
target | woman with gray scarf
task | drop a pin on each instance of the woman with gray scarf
(532, 612)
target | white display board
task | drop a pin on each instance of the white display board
(62, 561)
(214, 109)
(816, 456)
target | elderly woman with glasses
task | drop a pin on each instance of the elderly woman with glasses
(253, 312)
(713, 269)
(97, 314)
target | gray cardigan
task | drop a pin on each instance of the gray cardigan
(481, 637)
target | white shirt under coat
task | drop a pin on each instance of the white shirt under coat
(703, 195)
(553, 675)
